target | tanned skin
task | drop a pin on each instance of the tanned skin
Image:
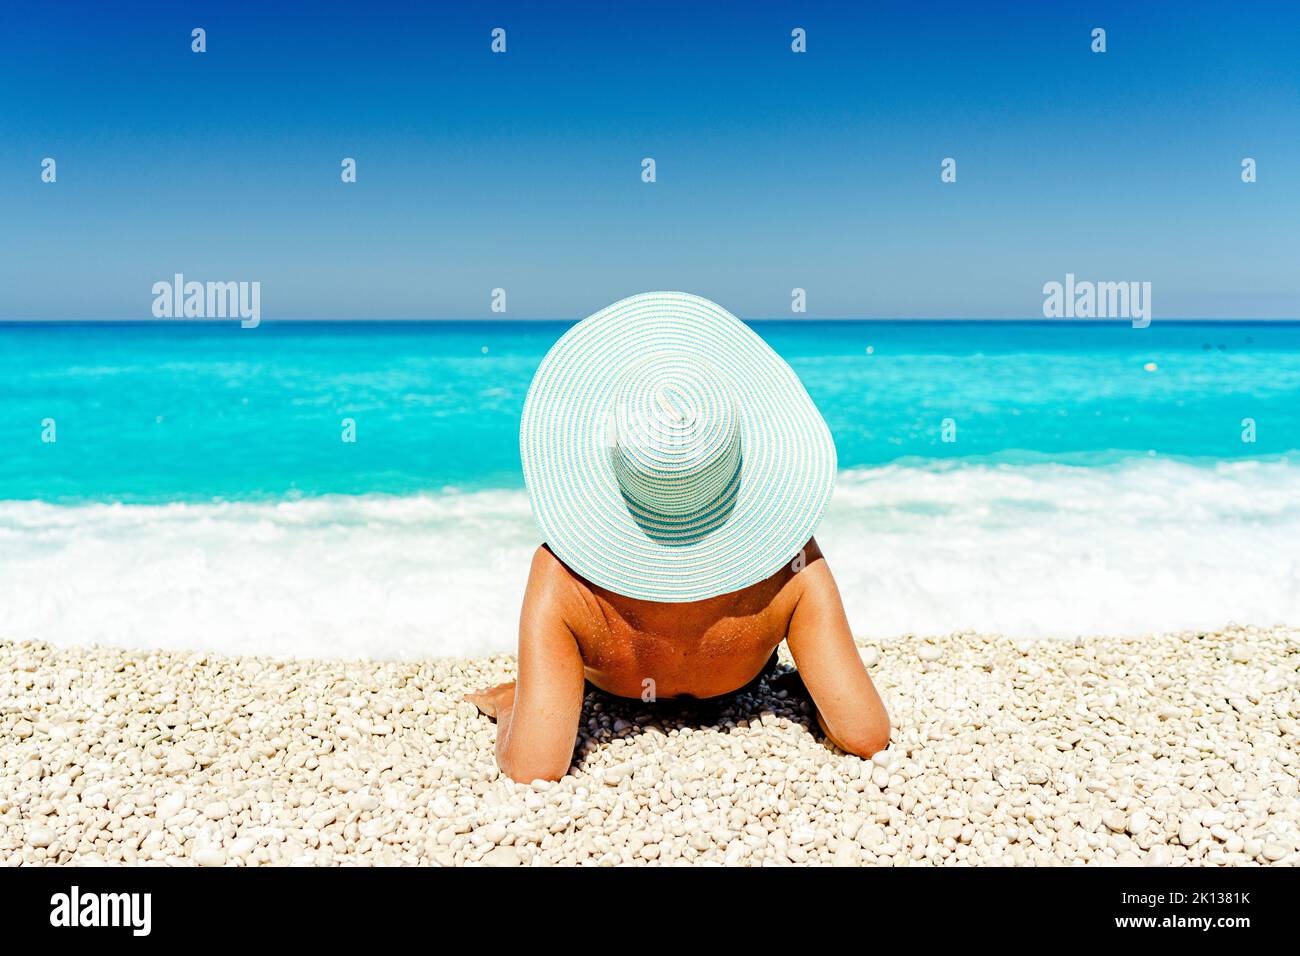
(571, 631)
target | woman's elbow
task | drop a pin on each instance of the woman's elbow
(527, 770)
(869, 744)
(863, 740)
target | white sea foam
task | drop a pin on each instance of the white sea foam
(1039, 550)
(1049, 550)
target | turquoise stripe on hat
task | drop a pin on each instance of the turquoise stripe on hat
(670, 454)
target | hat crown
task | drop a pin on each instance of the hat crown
(676, 436)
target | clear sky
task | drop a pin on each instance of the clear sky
(775, 170)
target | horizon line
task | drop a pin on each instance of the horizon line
(526, 320)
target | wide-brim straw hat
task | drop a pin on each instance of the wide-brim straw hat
(670, 454)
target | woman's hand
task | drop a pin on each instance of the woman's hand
(492, 701)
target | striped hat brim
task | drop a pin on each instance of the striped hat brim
(780, 491)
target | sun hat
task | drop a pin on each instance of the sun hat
(670, 454)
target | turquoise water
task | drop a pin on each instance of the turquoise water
(193, 412)
(199, 493)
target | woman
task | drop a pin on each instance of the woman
(677, 470)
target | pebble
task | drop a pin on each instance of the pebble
(1190, 833)
(169, 806)
(1033, 752)
(1273, 852)
(502, 856)
(847, 854)
(1160, 855)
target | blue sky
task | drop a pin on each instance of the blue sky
(775, 170)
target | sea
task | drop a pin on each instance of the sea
(186, 484)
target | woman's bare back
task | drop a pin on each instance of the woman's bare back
(571, 631)
(635, 648)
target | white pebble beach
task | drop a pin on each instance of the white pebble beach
(1152, 750)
